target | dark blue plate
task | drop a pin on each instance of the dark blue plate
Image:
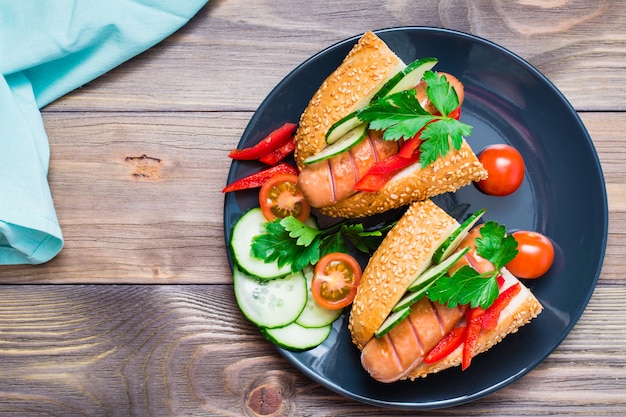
(563, 196)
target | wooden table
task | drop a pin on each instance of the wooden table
(138, 159)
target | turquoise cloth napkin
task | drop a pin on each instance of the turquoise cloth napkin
(47, 49)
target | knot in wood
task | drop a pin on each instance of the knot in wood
(144, 167)
(266, 400)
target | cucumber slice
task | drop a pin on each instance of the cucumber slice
(436, 271)
(272, 303)
(412, 297)
(248, 226)
(451, 243)
(392, 321)
(341, 127)
(346, 142)
(407, 78)
(296, 337)
(313, 314)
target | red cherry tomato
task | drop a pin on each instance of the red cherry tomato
(281, 197)
(335, 280)
(505, 166)
(535, 257)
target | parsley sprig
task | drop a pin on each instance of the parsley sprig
(401, 115)
(468, 286)
(290, 241)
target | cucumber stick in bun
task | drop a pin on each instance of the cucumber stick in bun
(336, 144)
(405, 254)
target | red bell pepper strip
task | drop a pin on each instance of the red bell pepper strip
(456, 113)
(279, 154)
(447, 345)
(382, 171)
(411, 146)
(259, 178)
(270, 143)
(492, 314)
(474, 325)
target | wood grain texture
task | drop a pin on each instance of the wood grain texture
(261, 41)
(138, 160)
(186, 350)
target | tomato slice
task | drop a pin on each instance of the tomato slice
(535, 255)
(335, 280)
(281, 197)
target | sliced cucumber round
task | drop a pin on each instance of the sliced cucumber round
(296, 337)
(272, 303)
(454, 240)
(392, 321)
(313, 314)
(341, 127)
(245, 229)
(347, 141)
(408, 78)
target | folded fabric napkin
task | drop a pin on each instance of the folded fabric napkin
(47, 49)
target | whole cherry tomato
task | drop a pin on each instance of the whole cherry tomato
(505, 166)
(335, 280)
(535, 256)
(281, 197)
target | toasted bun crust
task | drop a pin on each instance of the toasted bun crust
(406, 250)
(521, 310)
(350, 87)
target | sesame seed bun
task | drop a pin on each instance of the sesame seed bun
(405, 252)
(350, 87)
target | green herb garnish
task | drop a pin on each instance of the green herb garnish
(468, 286)
(290, 241)
(400, 115)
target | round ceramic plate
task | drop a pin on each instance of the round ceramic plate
(506, 101)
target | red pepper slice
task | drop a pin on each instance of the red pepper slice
(411, 146)
(447, 345)
(456, 113)
(492, 314)
(474, 325)
(270, 143)
(279, 154)
(382, 171)
(259, 178)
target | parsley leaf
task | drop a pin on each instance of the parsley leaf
(290, 241)
(401, 116)
(468, 286)
(465, 286)
(495, 245)
(441, 93)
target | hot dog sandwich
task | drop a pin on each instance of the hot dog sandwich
(406, 253)
(371, 71)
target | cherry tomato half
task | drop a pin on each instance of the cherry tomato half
(335, 280)
(281, 197)
(535, 257)
(505, 166)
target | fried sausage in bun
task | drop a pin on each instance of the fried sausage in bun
(330, 184)
(406, 252)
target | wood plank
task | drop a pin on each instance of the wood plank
(186, 350)
(159, 219)
(233, 53)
